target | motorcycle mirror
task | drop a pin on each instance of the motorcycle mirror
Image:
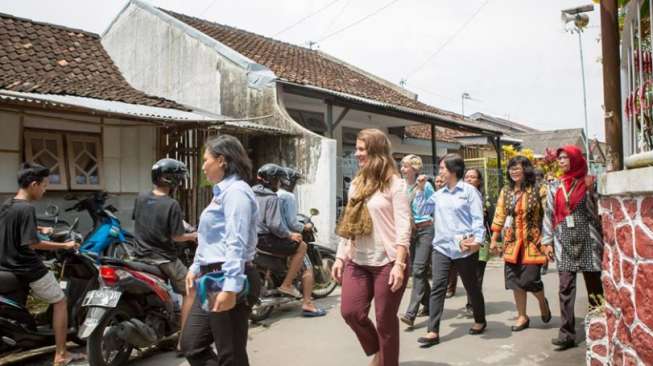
(314, 211)
(52, 211)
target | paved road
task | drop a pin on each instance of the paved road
(287, 339)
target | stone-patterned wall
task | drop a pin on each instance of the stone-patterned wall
(623, 334)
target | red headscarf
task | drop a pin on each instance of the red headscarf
(576, 173)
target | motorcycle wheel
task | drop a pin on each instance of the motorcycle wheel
(324, 284)
(259, 312)
(118, 351)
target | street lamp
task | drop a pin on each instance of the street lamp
(581, 20)
(462, 99)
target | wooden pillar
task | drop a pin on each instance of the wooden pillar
(612, 81)
(434, 149)
(329, 119)
(497, 146)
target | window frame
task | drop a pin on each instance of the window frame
(70, 159)
(28, 135)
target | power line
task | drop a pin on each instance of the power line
(208, 7)
(358, 21)
(333, 21)
(451, 38)
(305, 18)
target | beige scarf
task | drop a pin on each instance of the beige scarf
(355, 219)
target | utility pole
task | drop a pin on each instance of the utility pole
(612, 81)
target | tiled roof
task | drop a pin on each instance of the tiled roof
(305, 66)
(443, 134)
(50, 59)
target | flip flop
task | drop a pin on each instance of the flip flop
(72, 357)
(292, 292)
(313, 314)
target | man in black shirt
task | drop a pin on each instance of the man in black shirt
(18, 242)
(159, 226)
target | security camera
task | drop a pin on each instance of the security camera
(579, 9)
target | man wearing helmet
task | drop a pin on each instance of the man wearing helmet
(274, 236)
(289, 213)
(159, 226)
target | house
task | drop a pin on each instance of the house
(64, 104)
(319, 99)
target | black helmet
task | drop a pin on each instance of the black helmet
(269, 172)
(291, 176)
(169, 173)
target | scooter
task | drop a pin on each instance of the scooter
(21, 330)
(107, 238)
(133, 308)
(272, 270)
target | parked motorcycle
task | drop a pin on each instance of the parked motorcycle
(272, 270)
(133, 308)
(107, 238)
(21, 330)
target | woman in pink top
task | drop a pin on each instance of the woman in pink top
(374, 266)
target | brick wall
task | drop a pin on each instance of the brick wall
(622, 334)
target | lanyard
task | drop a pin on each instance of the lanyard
(566, 194)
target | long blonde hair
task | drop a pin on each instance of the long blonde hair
(380, 167)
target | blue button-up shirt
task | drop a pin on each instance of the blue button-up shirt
(428, 192)
(457, 212)
(289, 210)
(227, 231)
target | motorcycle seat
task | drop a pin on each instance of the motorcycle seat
(263, 252)
(9, 283)
(144, 267)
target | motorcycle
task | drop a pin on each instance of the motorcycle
(20, 330)
(133, 308)
(273, 268)
(107, 238)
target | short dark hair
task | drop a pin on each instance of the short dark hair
(455, 164)
(30, 173)
(529, 171)
(234, 154)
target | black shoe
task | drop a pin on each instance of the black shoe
(547, 318)
(481, 330)
(563, 344)
(426, 342)
(423, 312)
(519, 328)
(407, 320)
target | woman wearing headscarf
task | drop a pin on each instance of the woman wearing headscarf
(572, 234)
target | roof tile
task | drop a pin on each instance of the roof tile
(46, 58)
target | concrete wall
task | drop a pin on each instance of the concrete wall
(164, 57)
(622, 334)
(128, 154)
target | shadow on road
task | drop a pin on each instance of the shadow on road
(422, 363)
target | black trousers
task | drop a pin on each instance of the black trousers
(228, 330)
(480, 274)
(420, 250)
(467, 269)
(567, 293)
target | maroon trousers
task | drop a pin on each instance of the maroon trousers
(361, 285)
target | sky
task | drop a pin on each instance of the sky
(513, 57)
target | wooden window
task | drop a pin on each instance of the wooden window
(75, 165)
(47, 149)
(85, 162)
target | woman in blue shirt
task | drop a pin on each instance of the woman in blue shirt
(227, 244)
(421, 240)
(459, 233)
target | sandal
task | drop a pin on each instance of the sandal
(70, 358)
(292, 292)
(313, 314)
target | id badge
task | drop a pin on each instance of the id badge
(570, 221)
(508, 223)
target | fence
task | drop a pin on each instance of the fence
(637, 71)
